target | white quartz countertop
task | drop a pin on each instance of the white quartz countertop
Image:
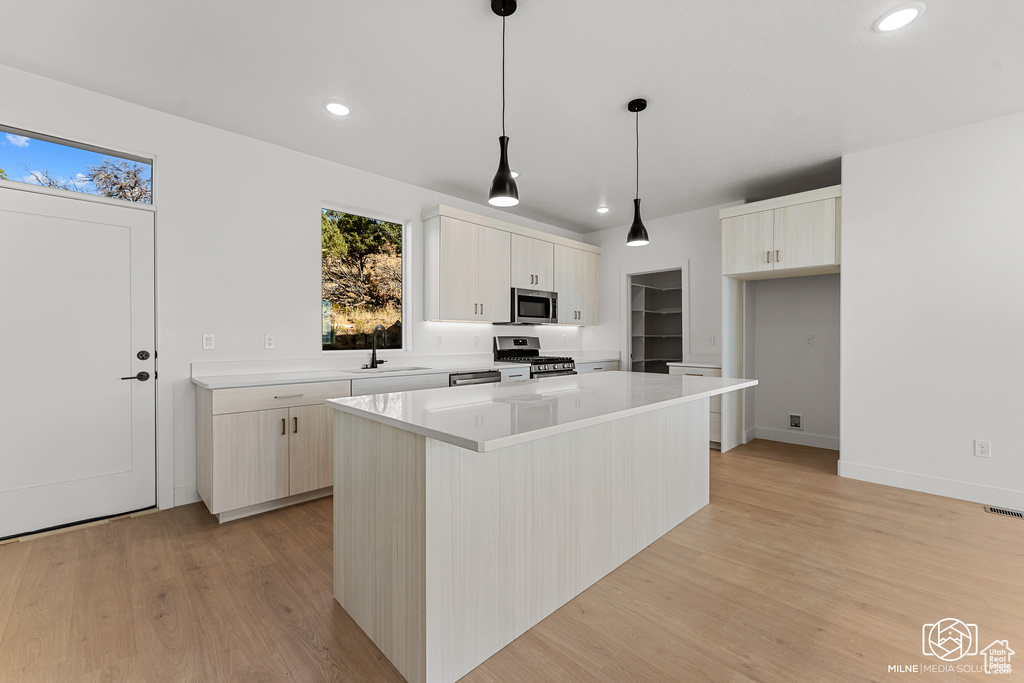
(250, 374)
(261, 379)
(487, 417)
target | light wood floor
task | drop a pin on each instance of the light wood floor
(790, 574)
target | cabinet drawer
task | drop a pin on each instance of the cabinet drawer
(716, 427)
(244, 399)
(597, 367)
(687, 370)
(383, 385)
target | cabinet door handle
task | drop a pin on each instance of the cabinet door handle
(693, 374)
(475, 306)
(768, 256)
(284, 428)
(481, 309)
(291, 396)
(776, 255)
(295, 425)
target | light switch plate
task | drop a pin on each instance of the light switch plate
(207, 342)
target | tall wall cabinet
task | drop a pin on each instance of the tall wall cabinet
(472, 262)
(789, 236)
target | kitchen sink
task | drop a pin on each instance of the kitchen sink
(375, 371)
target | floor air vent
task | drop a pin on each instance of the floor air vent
(1004, 511)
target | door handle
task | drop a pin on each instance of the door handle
(475, 306)
(481, 309)
(295, 425)
(284, 427)
(142, 376)
(776, 255)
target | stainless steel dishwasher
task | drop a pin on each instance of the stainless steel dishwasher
(460, 379)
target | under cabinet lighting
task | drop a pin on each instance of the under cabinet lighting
(602, 209)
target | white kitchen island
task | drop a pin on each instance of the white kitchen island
(463, 516)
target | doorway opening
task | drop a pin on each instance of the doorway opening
(656, 320)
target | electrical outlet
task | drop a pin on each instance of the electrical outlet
(796, 421)
(207, 341)
(440, 340)
(982, 449)
(563, 341)
(268, 341)
(476, 340)
(809, 340)
(711, 340)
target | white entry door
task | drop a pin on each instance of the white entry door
(77, 439)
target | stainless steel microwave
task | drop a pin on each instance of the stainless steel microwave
(530, 306)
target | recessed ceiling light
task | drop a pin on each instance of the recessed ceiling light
(602, 209)
(338, 109)
(899, 17)
(515, 174)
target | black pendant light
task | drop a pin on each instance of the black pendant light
(637, 236)
(503, 188)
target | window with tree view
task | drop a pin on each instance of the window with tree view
(361, 281)
(62, 165)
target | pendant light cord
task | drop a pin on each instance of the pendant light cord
(503, 75)
(638, 155)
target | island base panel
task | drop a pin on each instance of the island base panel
(446, 555)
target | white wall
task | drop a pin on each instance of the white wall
(695, 237)
(933, 313)
(238, 242)
(792, 376)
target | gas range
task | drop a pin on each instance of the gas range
(527, 350)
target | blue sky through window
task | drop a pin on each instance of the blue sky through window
(27, 160)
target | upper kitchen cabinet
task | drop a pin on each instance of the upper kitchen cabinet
(577, 282)
(783, 237)
(473, 272)
(532, 263)
(472, 262)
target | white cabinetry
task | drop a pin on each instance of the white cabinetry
(384, 385)
(716, 401)
(472, 262)
(474, 272)
(532, 263)
(259, 448)
(783, 237)
(577, 282)
(605, 366)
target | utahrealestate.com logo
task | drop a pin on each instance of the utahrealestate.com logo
(951, 640)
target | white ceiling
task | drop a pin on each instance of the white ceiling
(747, 98)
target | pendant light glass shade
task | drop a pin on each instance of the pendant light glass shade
(637, 236)
(503, 188)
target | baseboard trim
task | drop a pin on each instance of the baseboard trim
(797, 438)
(186, 495)
(950, 488)
(749, 435)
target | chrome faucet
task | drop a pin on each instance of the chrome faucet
(374, 363)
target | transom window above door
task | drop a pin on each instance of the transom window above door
(45, 161)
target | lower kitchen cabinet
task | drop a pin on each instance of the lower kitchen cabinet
(716, 401)
(260, 448)
(605, 366)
